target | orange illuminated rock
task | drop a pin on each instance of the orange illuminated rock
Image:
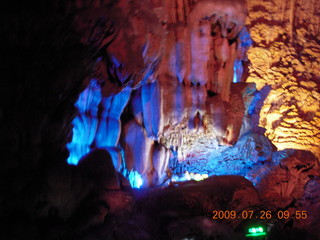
(286, 57)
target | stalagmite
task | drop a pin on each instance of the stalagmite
(138, 151)
(160, 158)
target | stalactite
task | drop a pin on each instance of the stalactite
(291, 18)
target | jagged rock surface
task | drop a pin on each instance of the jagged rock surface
(285, 55)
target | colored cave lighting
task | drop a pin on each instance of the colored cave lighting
(237, 71)
(189, 176)
(83, 125)
(256, 232)
(135, 179)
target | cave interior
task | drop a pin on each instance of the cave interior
(160, 119)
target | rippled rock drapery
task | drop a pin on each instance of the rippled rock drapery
(181, 94)
(121, 65)
(183, 106)
(191, 98)
(50, 54)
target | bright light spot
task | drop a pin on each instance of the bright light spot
(72, 159)
(234, 74)
(197, 177)
(189, 176)
(237, 71)
(255, 232)
(135, 179)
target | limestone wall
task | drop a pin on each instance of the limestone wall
(286, 56)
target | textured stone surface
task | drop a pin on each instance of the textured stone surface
(173, 105)
(310, 202)
(285, 55)
(283, 183)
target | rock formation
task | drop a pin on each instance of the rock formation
(183, 98)
(100, 96)
(285, 56)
